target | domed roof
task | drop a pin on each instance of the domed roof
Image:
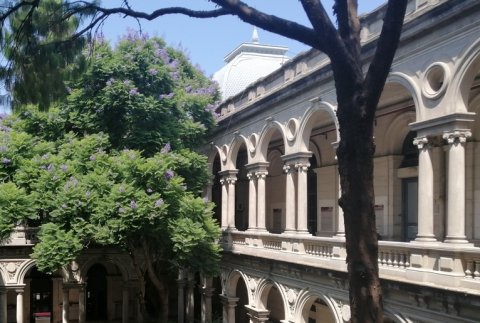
(247, 63)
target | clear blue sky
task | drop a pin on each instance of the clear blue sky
(209, 40)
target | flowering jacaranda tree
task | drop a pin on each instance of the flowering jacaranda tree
(112, 165)
(143, 95)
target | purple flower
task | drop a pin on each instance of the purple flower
(110, 81)
(100, 151)
(92, 158)
(67, 185)
(188, 89)
(132, 156)
(121, 188)
(133, 91)
(185, 240)
(50, 167)
(174, 64)
(6, 160)
(117, 204)
(159, 203)
(44, 156)
(184, 187)
(55, 177)
(202, 125)
(152, 215)
(64, 206)
(63, 167)
(126, 150)
(206, 199)
(50, 116)
(168, 187)
(149, 190)
(170, 95)
(148, 84)
(162, 96)
(133, 204)
(169, 175)
(153, 71)
(126, 82)
(3, 148)
(121, 209)
(166, 149)
(88, 193)
(80, 203)
(26, 113)
(69, 90)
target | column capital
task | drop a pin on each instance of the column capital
(251, 176)
(457, 136)
(426, 142)
(19, 291)
(232, 180)
(302, 167)
(261, 175)
(288, 169)
(181, 283)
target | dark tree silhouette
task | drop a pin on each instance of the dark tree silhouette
(357, 96)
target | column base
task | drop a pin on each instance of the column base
(456, 239)
(303, 232)
(261, 230)
(231, 229)
(429, 238)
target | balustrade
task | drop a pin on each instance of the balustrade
(318, 250)
(473, 268)
(273, 244)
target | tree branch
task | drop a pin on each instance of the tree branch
(349, 25)
(386, 47)
(19, 5)
(271, 23)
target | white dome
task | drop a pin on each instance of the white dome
(246, 64)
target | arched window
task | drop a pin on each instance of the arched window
(409, 151)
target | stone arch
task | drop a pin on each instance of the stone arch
(263, 290)
(83, 268)
(474, 106)
(266, 135)
(312, 146)
(305, 300)
(464, 74)
(215, 151)
(396, 132)
(308, 121)
(391, 314)
(23, 270)
(235, 145)
(232, 282)
(412, 88)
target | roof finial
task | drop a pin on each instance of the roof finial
(255, 38)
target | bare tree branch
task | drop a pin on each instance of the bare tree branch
(349, 25)
(274, 24)
(386, 47)
(17, 7)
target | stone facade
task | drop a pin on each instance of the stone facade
(275, 180)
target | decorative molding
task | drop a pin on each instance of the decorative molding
(457, 136)
(423, 143)
(11, 268)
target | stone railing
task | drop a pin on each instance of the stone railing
(437, 263)
(22, 236)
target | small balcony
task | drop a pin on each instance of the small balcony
(22, 236)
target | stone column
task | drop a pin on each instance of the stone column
(125, 300)
(66, 305)
(207, 292)
(19, 305)
(3, 305)
(181, 299)
(82, 309)
(456, 186)
(302, 219)
(252, 202)
(138, 311)
(425, 189)
(261, 221)
(340, 220)
(229, 304)
(224, 184)
(190, 297)
(112, 281)
(289, 199)
(231, 203)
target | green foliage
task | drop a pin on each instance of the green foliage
(39, 48)
(98, 168)
(143, 95)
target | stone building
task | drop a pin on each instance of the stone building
(276, 184)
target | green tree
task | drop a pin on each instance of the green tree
(80, 185)
(38, 47)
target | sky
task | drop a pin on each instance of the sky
(208, 41)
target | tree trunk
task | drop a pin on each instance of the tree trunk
(355, 159)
